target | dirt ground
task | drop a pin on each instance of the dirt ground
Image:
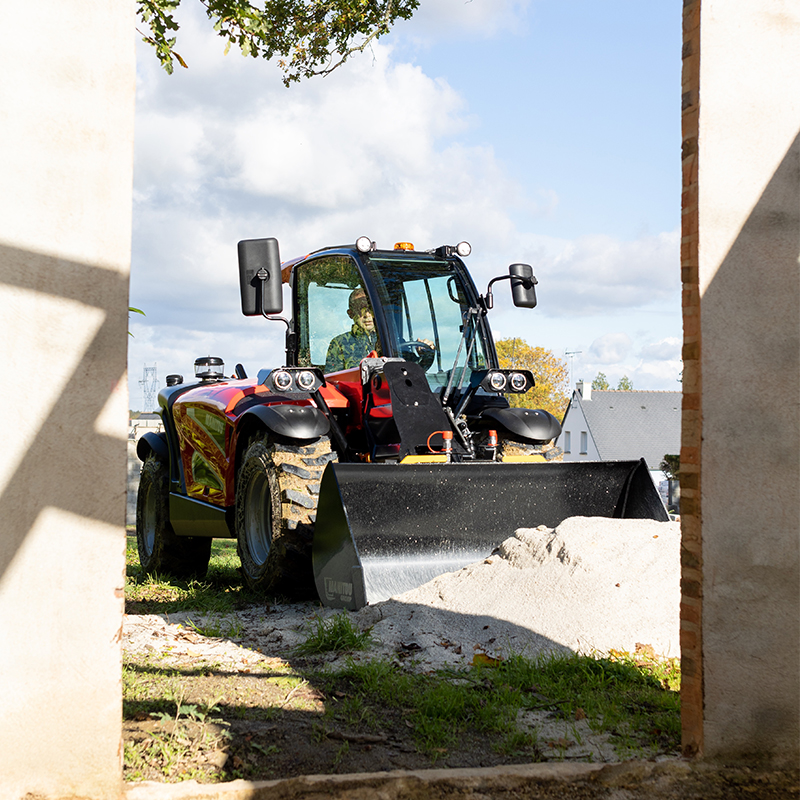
(266, 720)
(246, 715)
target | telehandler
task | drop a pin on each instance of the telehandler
(381, 453)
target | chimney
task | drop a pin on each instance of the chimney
(584, 390)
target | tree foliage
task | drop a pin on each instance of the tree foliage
(625, 384)
(551, 374)
(308, 37)
(671, 467)
(600, 383)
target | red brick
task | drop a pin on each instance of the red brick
(689, 614)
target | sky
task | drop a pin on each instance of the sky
(541, 132)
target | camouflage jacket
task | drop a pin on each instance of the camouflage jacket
(347, 349)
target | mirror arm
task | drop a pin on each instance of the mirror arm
(263, 276)
(488, 301)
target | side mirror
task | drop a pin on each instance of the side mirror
(523, 285)
(260, 277)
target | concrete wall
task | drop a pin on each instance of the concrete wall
(741, 245)
(66, 159)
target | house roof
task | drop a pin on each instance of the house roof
(634, 424)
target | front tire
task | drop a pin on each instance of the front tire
(277, 490)
(161, 551)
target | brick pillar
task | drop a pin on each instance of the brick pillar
(691, 511)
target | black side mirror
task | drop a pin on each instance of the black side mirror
(523, 285)
(260, 277)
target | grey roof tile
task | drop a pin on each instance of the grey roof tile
(635, 424)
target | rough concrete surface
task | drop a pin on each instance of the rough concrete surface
(633, 780)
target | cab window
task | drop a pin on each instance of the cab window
(332, 314)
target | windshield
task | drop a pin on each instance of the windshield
(425, 301)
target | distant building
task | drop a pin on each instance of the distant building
(621, 426)
(136, 429)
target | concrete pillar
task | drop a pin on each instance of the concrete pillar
(740, 456)
(66, 164)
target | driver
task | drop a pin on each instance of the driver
(347, 349)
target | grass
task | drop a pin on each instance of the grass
(221, 592)
(617, 696)
(174, 750)
(337, 634)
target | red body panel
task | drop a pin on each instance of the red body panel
(206, 420)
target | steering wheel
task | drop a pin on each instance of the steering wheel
(419, 352)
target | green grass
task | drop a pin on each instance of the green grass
(220, 592)
(616, 696)
(337, 634)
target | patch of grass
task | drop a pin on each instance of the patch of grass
(220, 592)
(520, 744)
(173, 751)
(337, 634)
(667, 671)
(614, 696)
(149, 690)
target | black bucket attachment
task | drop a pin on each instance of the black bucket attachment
(383, 529)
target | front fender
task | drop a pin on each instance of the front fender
(153, 442)
(534, 426)
(291, 421)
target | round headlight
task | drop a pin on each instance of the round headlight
(305, 380)
(463, 249)
(497, 381)
(209, 368)
(363, 244)
(518, 382)
(282, 380)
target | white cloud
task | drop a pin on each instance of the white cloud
(474, 18)
(611, 348)
(597, 274)
(668, 349)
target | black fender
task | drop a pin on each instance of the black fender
(289, 420)
(153, 442)
(524, 423)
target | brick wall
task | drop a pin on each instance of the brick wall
(691, 511)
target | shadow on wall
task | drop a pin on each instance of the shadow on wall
(751, 476)
(64, 352)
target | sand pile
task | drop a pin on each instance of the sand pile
(590, 585)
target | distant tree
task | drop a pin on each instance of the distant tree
(600, 383)
(671, 467)
(308, 37)
(625, 384)
(550, 372)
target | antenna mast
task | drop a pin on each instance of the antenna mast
(149, 384)
(571, 355)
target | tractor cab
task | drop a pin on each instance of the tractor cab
(358, 309)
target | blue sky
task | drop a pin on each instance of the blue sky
(541, 132)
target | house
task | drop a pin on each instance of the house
(623, 425)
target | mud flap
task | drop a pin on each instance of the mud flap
(383, 529)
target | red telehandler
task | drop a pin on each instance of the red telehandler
(382, 453)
